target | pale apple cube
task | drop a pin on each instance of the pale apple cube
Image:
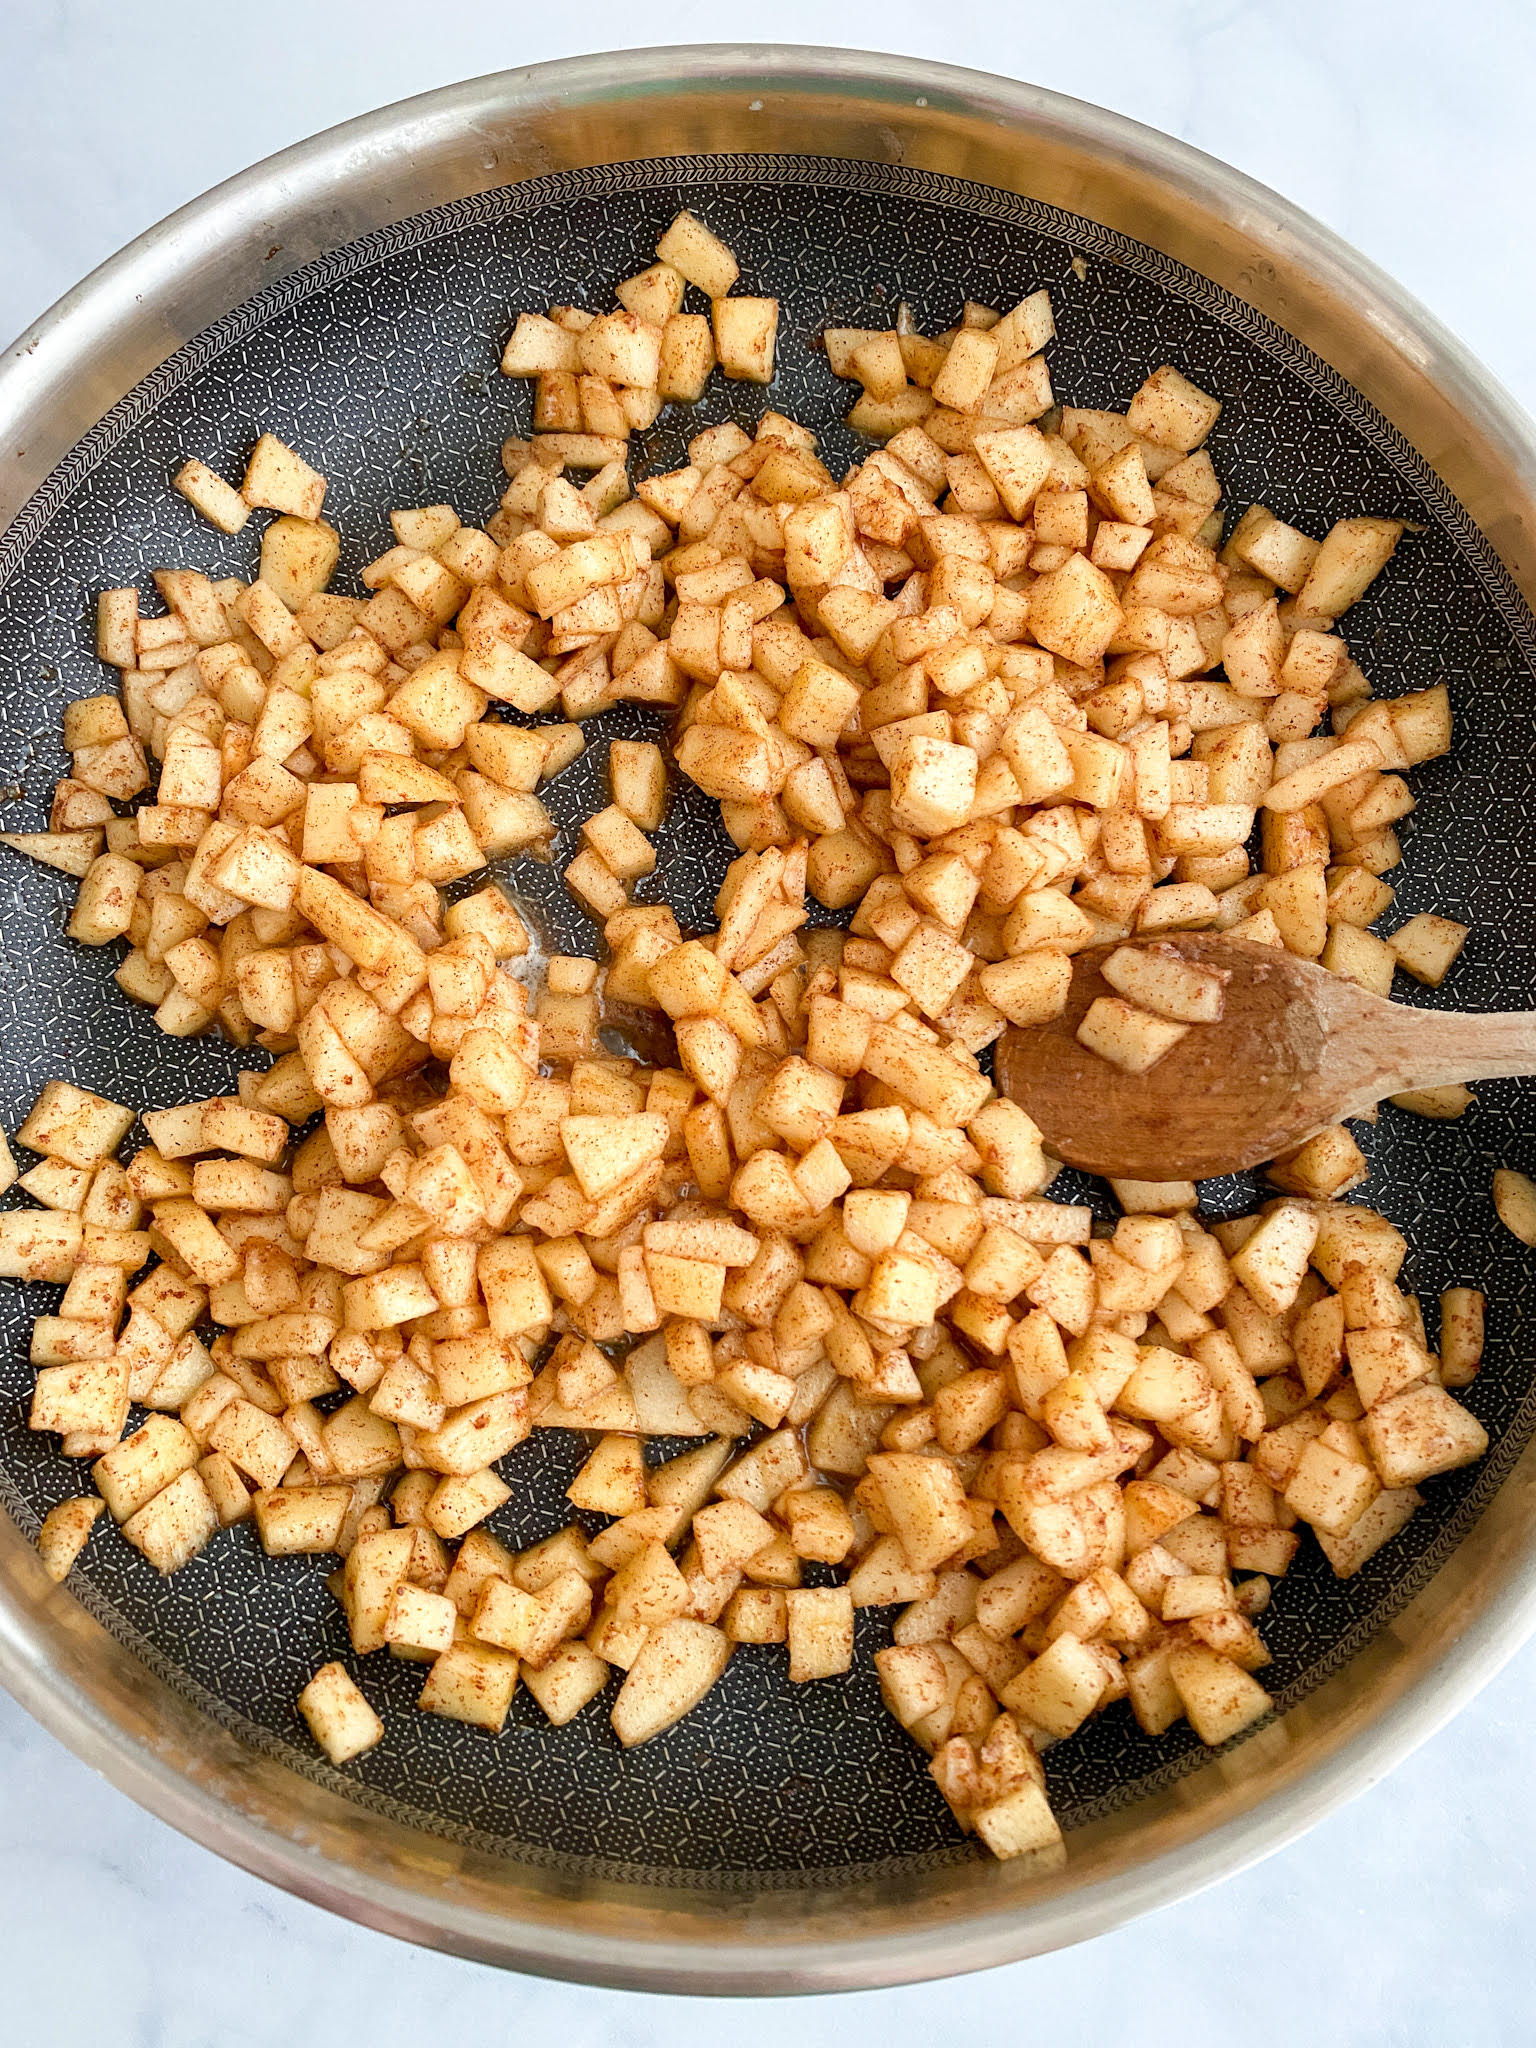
(338, 1716)
(1126, 1036)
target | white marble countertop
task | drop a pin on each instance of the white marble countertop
(1403, 1920)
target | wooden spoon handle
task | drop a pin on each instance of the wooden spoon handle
(1439, 1047)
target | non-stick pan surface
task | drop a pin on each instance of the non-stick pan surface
(379, 363)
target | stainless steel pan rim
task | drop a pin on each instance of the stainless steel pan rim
(111, 331)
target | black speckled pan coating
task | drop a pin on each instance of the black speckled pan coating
(379, 363)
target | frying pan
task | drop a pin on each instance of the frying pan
(352, 296)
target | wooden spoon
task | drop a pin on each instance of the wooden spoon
(1296, 1048)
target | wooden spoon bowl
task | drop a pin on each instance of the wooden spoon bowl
(1296, 1048)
